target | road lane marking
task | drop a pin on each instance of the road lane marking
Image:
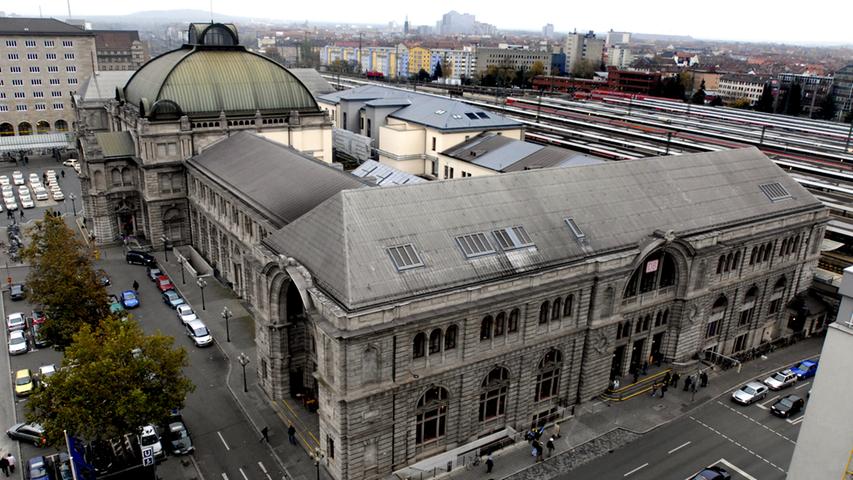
(223, 441)
(263, 468)
(738, 470)
(678, 448)
(244, 474)
(802, 385)
(798, 420)
(764, 404)
(777, 467)
(224, 477)
(636, 469)
(757, 422)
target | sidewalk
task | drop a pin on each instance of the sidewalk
(599, 426)
(259, 410)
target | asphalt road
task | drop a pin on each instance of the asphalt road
(747, 441)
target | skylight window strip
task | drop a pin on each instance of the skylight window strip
(475, 244)
(576, 231)
(405, 256)
(512, 238)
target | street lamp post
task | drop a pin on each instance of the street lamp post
(226, 314)
(318, 456)
(244, 360)
(73, 205)
(165, 247)
(181, 260)
(201, 284)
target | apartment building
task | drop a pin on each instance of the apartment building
(814, 89)
(120, 50)
(583, 46)
(619, 56)
(842, 92)
(454, 63)
(518, 58)
(42, 63)
(736, 86)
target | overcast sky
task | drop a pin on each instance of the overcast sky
(825, 21)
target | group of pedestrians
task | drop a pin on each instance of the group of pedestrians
(691, 383)
(7, 464)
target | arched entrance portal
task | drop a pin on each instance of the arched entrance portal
(301, 347)
(126, 218)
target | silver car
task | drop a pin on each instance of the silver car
(780, 380)
(750, 393)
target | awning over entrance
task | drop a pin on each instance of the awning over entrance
(451, 459)
(17, 143)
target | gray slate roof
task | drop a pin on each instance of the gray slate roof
(423, 109)
(384, 175)
(503, 154)
(313, 81)
(102, 85)
(116, 144)
(281, 182)
(38, 26)
(344, 241)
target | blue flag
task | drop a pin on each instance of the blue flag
(84, 470)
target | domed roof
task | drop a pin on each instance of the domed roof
(204, 80)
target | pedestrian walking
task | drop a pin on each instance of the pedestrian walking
(675, 378)
(663, 389)
(687, 383)
(22, 214)
(291, 434)
(265, 434)
(645, 367)
(537, 449)
(703, 377)
(135, 286)
(557, 430)
(636, 370)
(11, 459)
(490, 463)
(654, 389)
(693, 386)
(62, 173)
(667, 378)
(4, 465)
(550, 445)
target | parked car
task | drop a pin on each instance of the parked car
(712, 473)
(149, 438)
(10, 204)
(199, 333)
(57, 194)
(172, 299)
(17, 342)
(185, 313)
(62, 467)
(41, 193)
(17, 178)
(116, 306)
(38, 316)
(103, 278)
(134, 257)
(806, 369)
(24, 191)
(153, 273)
(27, 432)
(27, 202)
(16, 321)
(750, 393)
(780, 380)
(16, 292)
(4, 180)
(36, 469)
(39, 340)
(71, 162)
(164, 283)
(129, 299)
(180, 442)
(45, 372)
(788, 406)
(24, 382)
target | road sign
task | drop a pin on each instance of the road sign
(147, 456)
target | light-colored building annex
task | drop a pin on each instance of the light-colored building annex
(583, 47)
(42, 63)
(736, 86)
(517, 58)
(409, 129)
(133, 174)
(520, 295)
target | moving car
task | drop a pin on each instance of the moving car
(129, 299)
(24, 382)
(180, 442)
(780, 380)
(149, 438)
(199, 333)
(164, 283)
(186, 313)
(36, 469)
(787, 406)
(16, 291)
(172, 299)
(17, 342)
(16, 321)
(750, 393)
(134, 257)
(712, 473)
(806, 369)
(27, 432)
(17, 178)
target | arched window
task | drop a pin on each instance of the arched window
(556, 309)
(7, 129)
(500, 324)
(796, 247)
(658, 319)
(784, 250)
(778, 294)
(486, 328)
(60, 126)
(24, 128)
(419, 345)
(370, 365)
(543, 312)
(115, 177)
(493, 392)
(638, 327)
(665, 317)
(747, 308)
(548, 377)
(768, 250)
(657, 271)
(715, 320)
(729, 259)
(125, 176)
(450, 337)
(647, 322)
(721, 264)
(42, 127)
(752, 255)
(435, 341)
(568, 304)
(736, 260)
(512, 322)
(431, 419)
(760, 257)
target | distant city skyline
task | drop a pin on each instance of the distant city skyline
(723, 20)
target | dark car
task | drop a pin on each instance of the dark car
(134, 257)
(179, 438)
(27, 432)
(787, 406)
(16, 291)
(712, 473)
(164, 283)
(153, 273)
(36, 469)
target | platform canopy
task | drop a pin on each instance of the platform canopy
(17, 143)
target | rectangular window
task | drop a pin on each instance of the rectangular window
(17, 82)
(20, 95)
(71, 68)
(35, 69)
(35, 81)
(330, 447)
(740, 343)
(775, 191)
(433, 144)
(58, 106)
(67, 43)
(11, 43)
(54, 81)
(32, 56)
(49, 43)
(38, 94)
(21, 108)
(53, 69)
(512, 238)
(55, 94)
(576, 231)
(4, 108)
(72, 81)
(50, 56)
(69, 56)
(713, 329)
(15, 69)
(13, 56)
(451, 172)
(405, 257)
(40, 106)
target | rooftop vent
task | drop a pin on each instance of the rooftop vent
(440, 112)
(576, 230)
(775, 191)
